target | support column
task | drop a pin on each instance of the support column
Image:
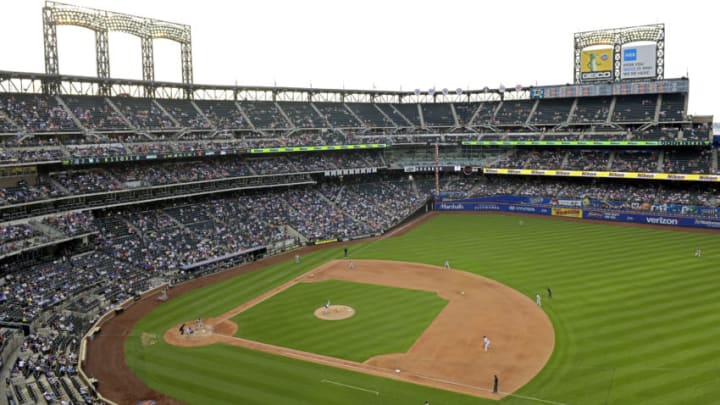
(102, 60)
(187, 69)
(148, 65)
(51, 53)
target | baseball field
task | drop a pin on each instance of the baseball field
(635, 316)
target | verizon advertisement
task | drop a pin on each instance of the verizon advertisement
(638, 61)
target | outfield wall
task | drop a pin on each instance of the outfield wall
(577, 212)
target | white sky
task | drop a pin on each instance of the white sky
(389, 44)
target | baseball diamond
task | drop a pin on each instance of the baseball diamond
(165, 241)
(448, 354)
(569, 254)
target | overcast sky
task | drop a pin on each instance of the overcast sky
(387, 44)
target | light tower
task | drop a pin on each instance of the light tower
(103, 22)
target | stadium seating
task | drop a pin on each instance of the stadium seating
(104, 196)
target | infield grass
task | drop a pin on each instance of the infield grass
(636, 317)
(396, 316)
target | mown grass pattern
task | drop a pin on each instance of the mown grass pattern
(636, 318)
(396, 317)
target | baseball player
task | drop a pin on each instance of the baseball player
(297, 259)
(326, 306)
(351, 265)
(698, 252)
(538, 299)
(486, 342)
(447, 264)
(549, 291)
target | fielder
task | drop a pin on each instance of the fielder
(698, 252)
(351, 265)
(326, 306)
(538, 299)
(447, 264)
(297, 259)
(486, 343)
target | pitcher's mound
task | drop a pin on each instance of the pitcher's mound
(335, 312)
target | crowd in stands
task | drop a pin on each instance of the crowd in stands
(643, 160)
(37, 113)
(624, 195)
(133, 175)
(71, 224)
(136, 244)
(24, 192)
(34, 113)
(225, 143)
(678, 161)
(16, 237)
(178, 236)
(131, 247)
(61, 299)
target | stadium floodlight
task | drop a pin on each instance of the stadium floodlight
(103, 22)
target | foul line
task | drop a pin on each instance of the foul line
(536, 399)
(547, 401)
(349, 386)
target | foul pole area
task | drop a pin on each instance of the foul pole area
(437, 174)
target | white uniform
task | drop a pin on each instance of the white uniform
(297, 258)
(447, 264)
(487, 342)
(351, 265)
(538, 300)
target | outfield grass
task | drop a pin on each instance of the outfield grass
(635, 317)
(396, 316)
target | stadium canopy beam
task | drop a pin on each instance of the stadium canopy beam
(36, 83)
(103, 22)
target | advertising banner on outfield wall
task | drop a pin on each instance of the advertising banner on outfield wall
(638, 61)
(567, 212)
(595, 203)
(598, 214)
(596, 64)
(667, 220)
(480, 206)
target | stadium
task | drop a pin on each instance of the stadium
(172, 242)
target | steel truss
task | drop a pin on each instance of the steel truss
(103, 22)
